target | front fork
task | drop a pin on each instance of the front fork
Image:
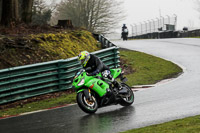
(87, 93)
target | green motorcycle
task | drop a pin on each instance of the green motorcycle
(97, 91)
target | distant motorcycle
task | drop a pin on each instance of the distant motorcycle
(125, 36)
(92, 91)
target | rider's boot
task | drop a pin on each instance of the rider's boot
(114, 82)
(109, 92)
(121, 90)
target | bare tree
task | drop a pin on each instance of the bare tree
(0, 9)
(10, 12)
(14, 11)
(27, 11)
(38, 6)
(42, 11)
(100, 16)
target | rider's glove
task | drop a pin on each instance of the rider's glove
(95, 72)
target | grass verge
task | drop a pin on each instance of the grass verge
(147, 69)
(186, 125)
(44, 104)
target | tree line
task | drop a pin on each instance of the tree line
(95, 15)
(13, 11)
(100, 16)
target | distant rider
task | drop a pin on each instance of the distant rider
(124, 28)
(124, 33)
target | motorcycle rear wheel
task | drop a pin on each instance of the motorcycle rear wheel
(127, 99)
(86, 105)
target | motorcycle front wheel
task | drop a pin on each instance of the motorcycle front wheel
(127, 99)
(88, 106)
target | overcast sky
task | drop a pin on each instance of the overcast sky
(142, 10)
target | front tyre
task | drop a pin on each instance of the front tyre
(88, 106)
(127, 99)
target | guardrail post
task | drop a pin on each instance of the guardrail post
(106, 42)
(115, 55)
(103, 42)
(110, 44)
(60, 75)
(99, 38)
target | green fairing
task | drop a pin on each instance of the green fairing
(115, 72)
(100, 90)
(97, 85)
(89, 81)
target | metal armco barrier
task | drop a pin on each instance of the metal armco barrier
(105, 43)
(32, 80)
(168, 34)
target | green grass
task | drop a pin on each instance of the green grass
(148, 70)
(44, 104)
(186, 125)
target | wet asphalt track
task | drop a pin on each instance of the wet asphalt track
(173, 100)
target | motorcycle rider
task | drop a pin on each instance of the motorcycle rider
(124, 31)
(89, 60)
(124, 27)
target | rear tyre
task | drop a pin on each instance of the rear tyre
(86, 105)
(127, 99)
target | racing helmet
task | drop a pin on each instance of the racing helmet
(84, 57)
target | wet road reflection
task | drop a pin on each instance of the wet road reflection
(106, 122)
(71, 120)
